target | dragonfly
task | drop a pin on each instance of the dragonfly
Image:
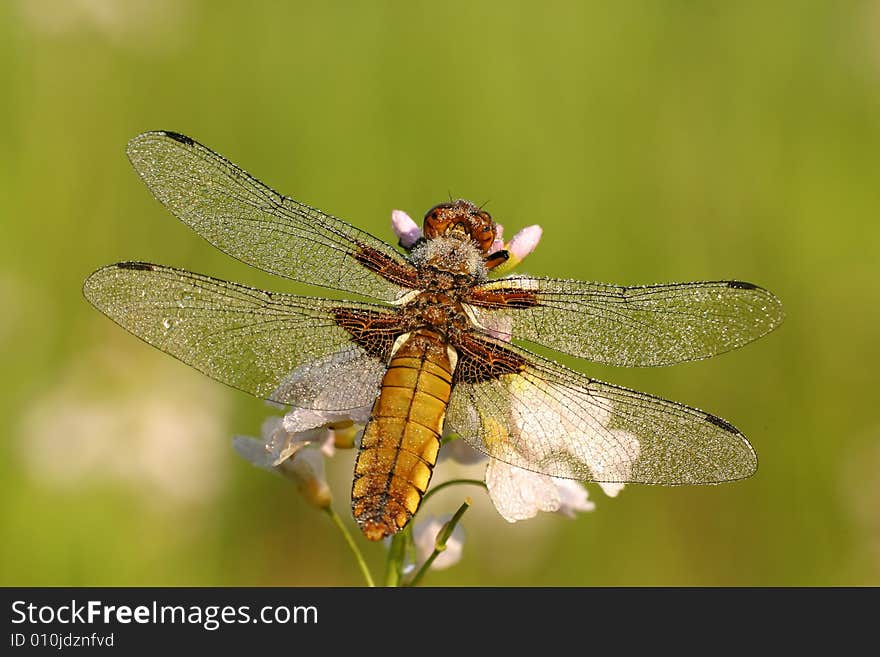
(432, 353)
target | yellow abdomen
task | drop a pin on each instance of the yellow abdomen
(401, 440)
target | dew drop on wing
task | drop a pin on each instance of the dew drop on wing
(167, 323)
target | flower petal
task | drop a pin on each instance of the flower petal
(519, 494)
(279, 444)
(306, 468)
(498, 244)
(303, 419)
(253, 451)
(632, 447)
(545, 423)
(523, 243)
(611, 489)
(304, 465)
(328, 446)
(407, 230)
(346, 380)
(284, 445)
(573, 497)
(301, 427)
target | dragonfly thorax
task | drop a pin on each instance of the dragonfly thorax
(455, 257)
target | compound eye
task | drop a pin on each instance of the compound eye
(435, 222)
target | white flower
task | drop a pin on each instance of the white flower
(295, 445)
(573, 497)
(305, 426)
(425, 533)
(520, 494)
(575, 423)
(611, 489)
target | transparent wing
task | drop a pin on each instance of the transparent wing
(246, 219)
(549, 419)
(280, 347)
(628, 326)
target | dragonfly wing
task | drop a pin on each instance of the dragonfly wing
(627, 326)
(246, 219)
(532, 413)
(293, 350)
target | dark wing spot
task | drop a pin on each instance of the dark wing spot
(505, 298)
(481, 360)
(176, 136)
(741, 285)
(404, 275)
(374, 332)
(724, 424)
(139, 266)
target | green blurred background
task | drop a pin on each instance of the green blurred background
(653, 141)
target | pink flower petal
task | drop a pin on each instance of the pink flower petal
(407, 230)
(498, 244)
(523, 243)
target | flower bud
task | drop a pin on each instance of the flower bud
(425, 534)
(520, 245)
(346, 437)
(306, 469)
(407, 230)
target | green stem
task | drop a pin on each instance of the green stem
(396, 555)
(453, 482)
(354, 548)
(400, 541)
(440, 542)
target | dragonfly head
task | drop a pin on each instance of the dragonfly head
(461, 218)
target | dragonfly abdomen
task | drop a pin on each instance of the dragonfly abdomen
(401, 440)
